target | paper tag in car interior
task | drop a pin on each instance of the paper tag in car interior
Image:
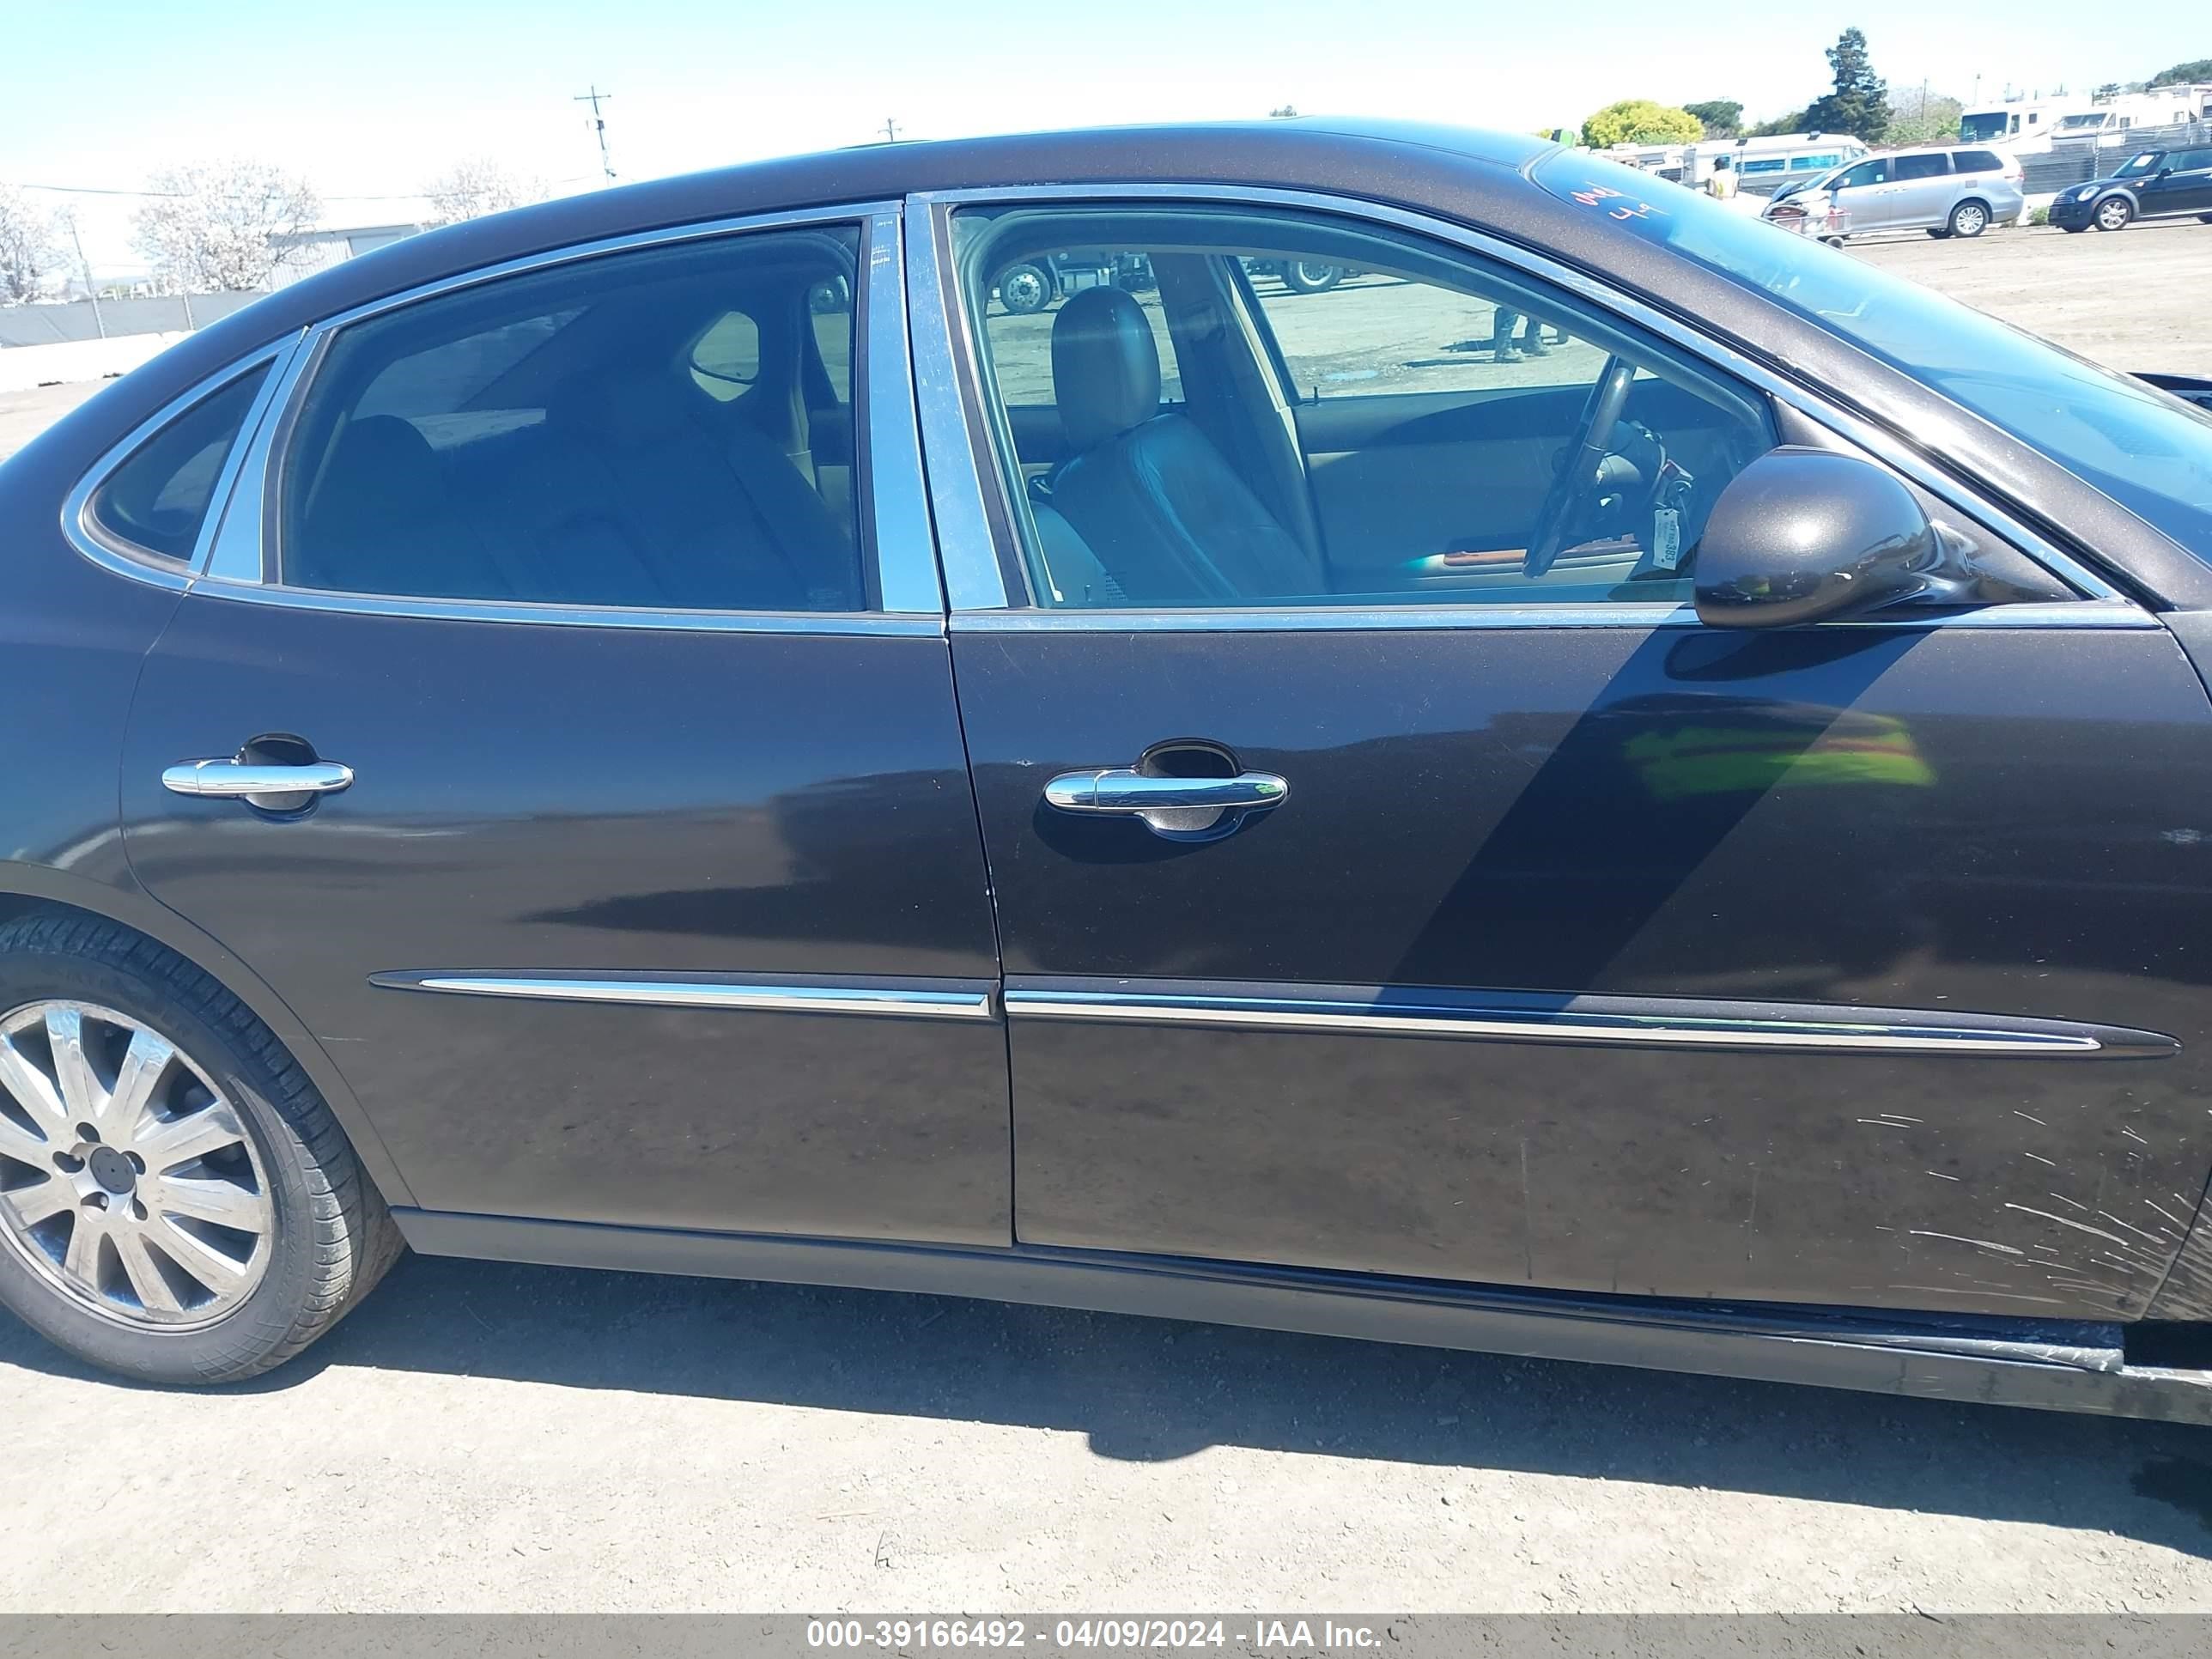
(1666, 537)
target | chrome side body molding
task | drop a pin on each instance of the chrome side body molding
(904, 1000)
(1636, 1022)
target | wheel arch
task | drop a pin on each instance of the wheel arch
(26, 889)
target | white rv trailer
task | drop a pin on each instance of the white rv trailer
(2112, 118)
(1761, 165)
(2020, 127)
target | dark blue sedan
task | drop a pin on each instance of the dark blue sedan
(1610, 783)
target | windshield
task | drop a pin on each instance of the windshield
(2142, 163)
(1977, 129)
(2076, 123)
(2148, 450)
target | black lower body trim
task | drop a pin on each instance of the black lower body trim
(2047, 1365)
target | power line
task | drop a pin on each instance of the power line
(599, 123)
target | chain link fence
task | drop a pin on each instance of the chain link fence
(2066, 165)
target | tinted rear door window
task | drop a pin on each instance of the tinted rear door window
(651, 429)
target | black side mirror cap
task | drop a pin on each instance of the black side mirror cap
(1807, 535)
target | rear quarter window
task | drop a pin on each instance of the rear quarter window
(157, 501)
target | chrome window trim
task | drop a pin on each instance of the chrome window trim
(1876, 440)
(937, 1000)
(93, 541)
(1636, 1022)
(234, 552)
(892, 486)
(967, 550)
(818, 622)
(2095, 614)
(234, 565)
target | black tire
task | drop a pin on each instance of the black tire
(1969, 219)
(2073, 230)
(2113, 213)
(1938, 233)
(2205, 217)
(332, 1238)
(1026, 289)
(1310, 276)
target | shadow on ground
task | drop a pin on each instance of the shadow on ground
(1154, 1390)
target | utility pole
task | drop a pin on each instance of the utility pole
(68, 217)
(594, 98)
(891, 131)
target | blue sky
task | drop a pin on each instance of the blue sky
(371, 102)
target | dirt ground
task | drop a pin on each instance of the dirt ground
(2140, 301)
(484, 1437)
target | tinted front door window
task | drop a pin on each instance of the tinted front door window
(1353, 418)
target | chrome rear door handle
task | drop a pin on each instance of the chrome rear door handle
(256, 784)
(1167, 805)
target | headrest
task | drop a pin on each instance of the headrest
(1105, 366)
(625, 409)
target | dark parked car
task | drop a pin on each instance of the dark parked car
(2156, 184)
(552, 741)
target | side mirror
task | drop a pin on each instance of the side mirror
(1805, 536)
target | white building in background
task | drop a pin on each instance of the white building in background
(310, 251)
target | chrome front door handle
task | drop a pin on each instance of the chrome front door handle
(1171, 805)
(258, 785)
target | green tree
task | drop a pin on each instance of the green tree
(1860, 103)
(1922, 118)
(1787, 121)
(1721, 119)
(2183, 75)
(1640, 121)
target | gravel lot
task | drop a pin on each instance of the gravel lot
(485, 1438)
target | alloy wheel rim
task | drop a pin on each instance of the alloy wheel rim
(1023, 288)
(1971, 221)
(2111, 215)
(127, 1181)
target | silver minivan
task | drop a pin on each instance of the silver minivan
(1946, 192)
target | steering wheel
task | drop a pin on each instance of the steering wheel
(1586, 451)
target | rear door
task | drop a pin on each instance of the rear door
(1455, 924)
(653, 895)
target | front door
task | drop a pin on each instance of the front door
(1373, 897)
(654, 895)
(2185, 187)
(1864, 198)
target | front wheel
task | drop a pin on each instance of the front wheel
(177, 1203)
(1938, 233)
(2073, 230)
(1026, 289)
(1969, 219)
(2113, 213)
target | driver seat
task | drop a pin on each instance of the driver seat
(1167, 518)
